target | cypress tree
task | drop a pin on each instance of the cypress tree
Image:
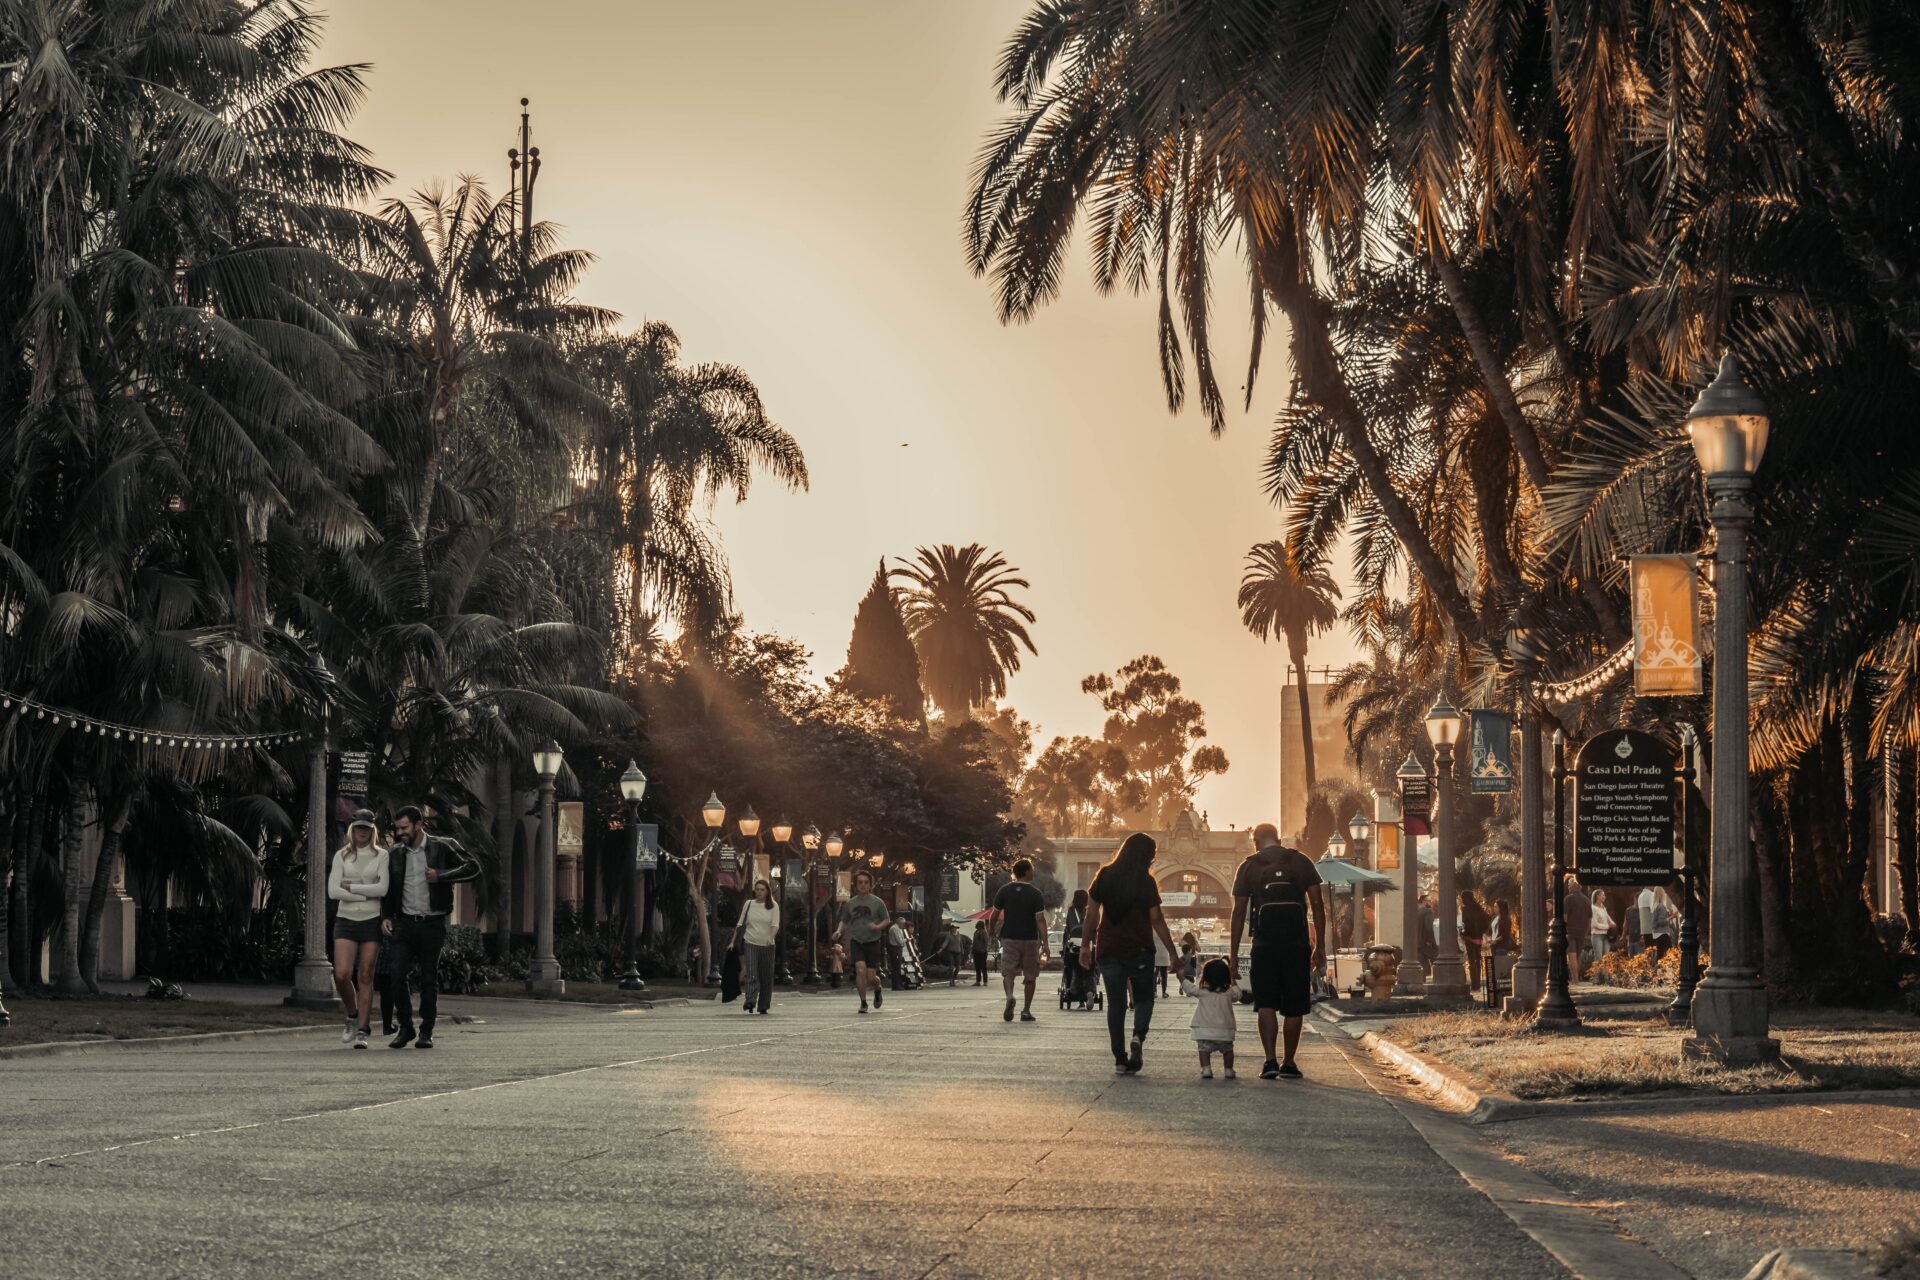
(881, 662)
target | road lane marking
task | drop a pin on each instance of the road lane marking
(452, 1093)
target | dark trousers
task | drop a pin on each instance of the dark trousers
(417, 941)
(979, 968)
(1473, 962)
(1118, 976)
(757, 976)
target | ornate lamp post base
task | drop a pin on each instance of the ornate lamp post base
(1409, 981)
(632, 981)
(1732, 1051)
(1449, 981)
(1529, 984)
(312, 986)
(545, 982)
(1730, 1023)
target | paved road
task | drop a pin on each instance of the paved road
(930, 1140)
(1714, 1186)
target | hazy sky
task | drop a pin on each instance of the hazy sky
(783, 184)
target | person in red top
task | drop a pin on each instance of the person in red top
(1123, 918)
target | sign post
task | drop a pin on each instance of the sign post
(1623, 783)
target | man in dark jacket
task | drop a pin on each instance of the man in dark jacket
(421, 874)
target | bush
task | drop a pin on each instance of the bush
(464, 965)
(208, 946)
(1618, 969)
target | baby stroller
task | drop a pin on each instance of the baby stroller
(1079, 988)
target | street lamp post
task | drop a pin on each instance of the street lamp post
(810, 841)
(1556, 1007)
(545, 979)
(1412, 979)
(1358, 829)
(783, 841)
(1337, 848)
(1530, 973)
(633, 788)
(714, 814)
(313, 975)
(1680, 1009)
(1449, 978)
(1728, 428)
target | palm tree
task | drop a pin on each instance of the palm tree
(452, 289)
(672, 438)
(1278, 599)
(966, 625)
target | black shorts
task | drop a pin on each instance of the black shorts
(869, 953)
(345, 930)
(1282, 980)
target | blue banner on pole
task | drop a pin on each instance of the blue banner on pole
(646, 854)
(1490, 752)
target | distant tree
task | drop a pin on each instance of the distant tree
(1072, 786)
(1280, 600)
(966, 626)
(1159, 734)
(881, 663)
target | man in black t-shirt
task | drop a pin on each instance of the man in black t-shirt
(1276, 886)
(1020, 922)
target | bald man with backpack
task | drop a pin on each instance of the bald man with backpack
(1272, 893)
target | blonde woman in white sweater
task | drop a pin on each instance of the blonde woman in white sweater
(357, 882)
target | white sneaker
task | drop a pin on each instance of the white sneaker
(346, 1032)
(359, 1039)
(1206, 1073)
(1230, 1075)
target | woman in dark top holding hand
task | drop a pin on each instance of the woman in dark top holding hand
(1123, 918)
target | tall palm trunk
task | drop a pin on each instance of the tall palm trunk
(1526, 443)
(9, 834)
(505, 823)
(73, 890)
(1906, 836)
(1316, 362)
(111, 841)
(22, 938)
(1297, 654)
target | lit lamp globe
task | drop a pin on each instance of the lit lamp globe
(547, 759)
(1443, 723)
(1358, 827)
(834, 845)
(749, 824)
(1728, 424)
(1336, 844)
(633, 784)
(713, 813)
(782, 832)
(1410, 770)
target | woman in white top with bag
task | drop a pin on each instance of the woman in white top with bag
(760, 928)
(357, 882)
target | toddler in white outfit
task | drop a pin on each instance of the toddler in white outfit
(1216, 996)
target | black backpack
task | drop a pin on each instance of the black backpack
(1279, 907)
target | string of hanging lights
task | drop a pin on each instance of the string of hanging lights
(1616, 665)
(32, 711)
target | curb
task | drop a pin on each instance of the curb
(1453, 1090)
(1812, 1264)
(51, 1048)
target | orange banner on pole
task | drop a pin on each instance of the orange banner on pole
(1666, 622)
(1387, 856)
